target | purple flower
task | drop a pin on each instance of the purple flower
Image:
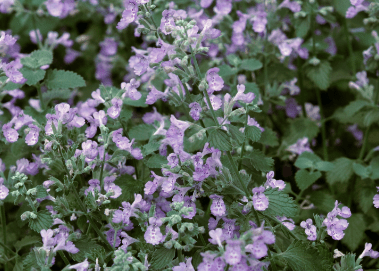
(123, 216)
(115, 110)
(154, 95)
(293, 6)
(12, 72)
(94, 184)
(233, 252)
(5, 6)
(195, 110)
(253, 122)
(274, 183)
(223, 7)
(290, 225)
(10, 134)
(215, 82)
(216, 237)
(336, 226)
(240, 96)
(300, 146)
(153, 234)
(33, 34)
(109, 186)
(4, 191)
(205, 3)
(218, 206)
(60, 8)
(261, 238)
(310, 230)
(376, 199)
(184, 266)
(83, 266)
(167, 21)
(216, 102)
(208, 260)
(90, 149)
(355, 9)
(108, 47)
(32, 137)
(131, 89)
(129, 15)
(260, 201)
(369, 252)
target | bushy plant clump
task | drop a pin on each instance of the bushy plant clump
(189, 135)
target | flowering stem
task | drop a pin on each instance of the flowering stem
(81, 205)
(236, 172)
(38, 86)
(101, 172)
(244, 142)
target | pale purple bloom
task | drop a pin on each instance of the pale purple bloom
(195, 110)
(83, 266)
(10, 134)
(260, 201)
(129, 15)
(288, 222)
(167, 21)
(216, 237)
(5, 6)
(216, 102)
(223, 7)
(313, 111)
(336, 226)
(123, 216)
(12, 72)
(154, 95)
(300, 146)
(187, 266)
(280, 184)
(218, 207)
(356, 8)
(153, 234)
(376, 199)
(4, 191)
(60, 8)
(233, 253)
(108, 47)
(131, 89)
(35, 36)
(310, 230)
(240, 96)
(215, 82)
(115, 110)
(32, 137)
(253, 122)
(90, 149)
(293, 6)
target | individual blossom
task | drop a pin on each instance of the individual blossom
(260, 201)
(293, 6)
(233, 253)
(355, 9)
(216, 237)
(368, 251)
(216, 102)
(60, 8)
(167, 21)
(195, 110)
(128, 210)
(139, 63)
(261, 238)
(90, 150)
(313, 111)
(208, 260)
(336, 226)
(35, 36)
(153, 233)
(94, 184)
(83, 266)
(288, 222)
(115, 110)
(32, 136)
(271, 182)
(241, 96)
(310, 230)
(131, 89)
(6, 6)
(129, 15)
(184, 266)
(154, 95)
(4, 191)
(109, 187)
(12, 71)
(253, 122)
(218, 207)
(215, 82)
(108, 47)
(300, 146)
(376, 199)
(10, 134)
(291, 87)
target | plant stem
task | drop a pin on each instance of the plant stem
(349, 46)
(244, 142)
(61, 253)
(101, 172)
(323, 131)
(40, 97)
(236, 172)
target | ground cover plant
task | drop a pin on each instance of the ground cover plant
(189, 135)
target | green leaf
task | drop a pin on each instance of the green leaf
(156, 161)
(58, 79)
(87, 248)
(27, 241)
(375, 168)
(219, 139)
(324, 166)
(304, 178)
(129, 186)
(161, 258)
(355, 232)
(354, 106)
(32, 76)
(300, 256)
(269, 138)
(302, 27)
(141, 132)
(322, 200)
(233, 59)
(56, 94)
(41, 192)
(126, 114)
(259, 161)
(320, 74)
(250, 64)
(236, 133)
(342, 171)
(150, 147)
(280, 204)
(347, 262)
(361, 170)
(365, 191)
(253, 132)
(226, 70)
(300, 128)
(37, 59)
(302, 162)
(43, 221)
(30, 261)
